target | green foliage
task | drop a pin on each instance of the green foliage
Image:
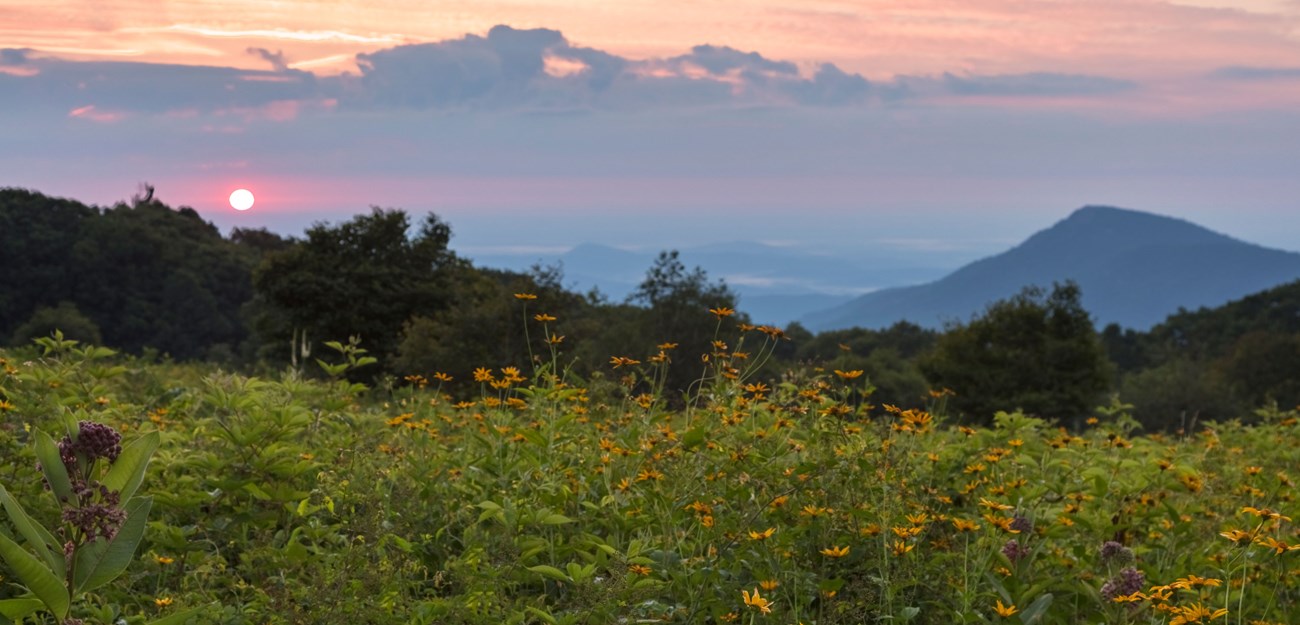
(889, 358)
(1213, 363)
(144, 274)
(365, 277)
(97, 535)
(1035, 351)
(65, 317)
(671, 298)
(545, 500)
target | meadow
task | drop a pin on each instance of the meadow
(497, 495)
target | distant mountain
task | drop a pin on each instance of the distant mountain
(1135, 269)
(776, 284)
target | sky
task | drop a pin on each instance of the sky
(922, 126)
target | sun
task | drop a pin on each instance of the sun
(241, 199)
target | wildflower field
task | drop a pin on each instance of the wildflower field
(536, 497)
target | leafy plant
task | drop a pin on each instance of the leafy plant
(94, 479)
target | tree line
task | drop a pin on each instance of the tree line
(161, 282)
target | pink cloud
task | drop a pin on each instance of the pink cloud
(93, 114)
(24, 72)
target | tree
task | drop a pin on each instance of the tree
(675, 308)
(151, 276)
(65, 318)
(1039, 353)
(363, 277)
(37, 234)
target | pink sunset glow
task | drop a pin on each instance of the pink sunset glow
(1136, 38)
(773, 110)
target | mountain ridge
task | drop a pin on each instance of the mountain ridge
(1135, 268)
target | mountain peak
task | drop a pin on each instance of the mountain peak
(1093, 228)
(1134, 268)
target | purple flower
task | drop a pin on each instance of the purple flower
(1014, 551)
(1129, 581)
(1114, 553)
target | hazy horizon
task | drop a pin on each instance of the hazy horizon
(950, 129)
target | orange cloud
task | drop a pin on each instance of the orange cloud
(879, 38)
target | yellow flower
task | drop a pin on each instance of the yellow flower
(756, 601)
(1276, 545)
(1193, 581)
(1265, 512)
(769, 584)
(525, 296)
(555, 339)
(1004, 611)
(722, 311)
(482, 374)
(763, 535)
(623, 361)
(639, 569)
(900, 548)
(835, 552)
(162, 602)
(1238, 536)
(993, 505)
(1195, 613)
(163, 560)
(441, 377)
(963, 525)
(814, 511)
(543, 317)
(849, 375)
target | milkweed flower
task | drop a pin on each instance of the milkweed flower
(1127, 582)
(1113, 552)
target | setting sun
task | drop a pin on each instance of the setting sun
(241, 199)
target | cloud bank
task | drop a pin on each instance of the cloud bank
(507, 69)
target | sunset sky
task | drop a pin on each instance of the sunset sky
(920, 125)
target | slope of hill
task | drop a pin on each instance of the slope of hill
(1135, 269)
(776, 284)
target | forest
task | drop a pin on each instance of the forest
(161, 283)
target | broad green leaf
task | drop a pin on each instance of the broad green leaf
(555, 518)
(19, 608)
(694, 437)
(257, 492)
(544, 615)
(128, 469)
(1034, 613)
(47, 452)
(36, 577)
(102, 562)
(34, 533)
(550, 571)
